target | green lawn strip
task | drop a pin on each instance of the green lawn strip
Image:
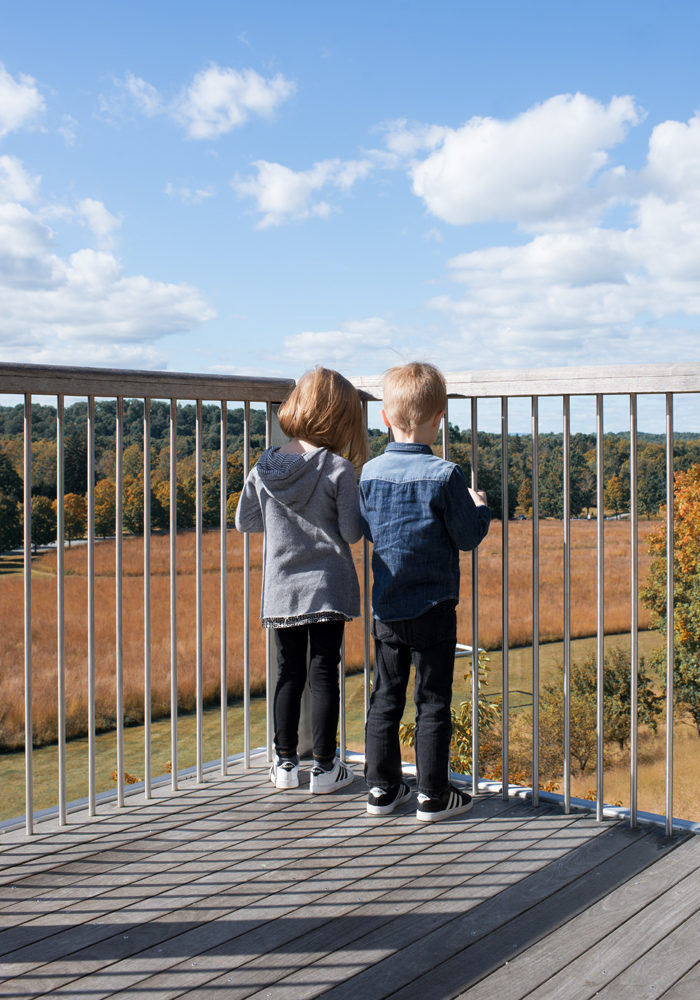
(45, 759)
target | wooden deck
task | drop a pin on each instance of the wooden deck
(231, 889)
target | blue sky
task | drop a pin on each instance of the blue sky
(264, 186)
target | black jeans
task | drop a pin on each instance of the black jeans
(429, 642)
(322, 641)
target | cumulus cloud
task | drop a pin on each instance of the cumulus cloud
(351, 346)
(217, 100)
(20, 102)
(54, 306)
(604, 294)
(220, 99)
(283, 195)
(531, 169)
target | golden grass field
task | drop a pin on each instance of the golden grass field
(44, 617)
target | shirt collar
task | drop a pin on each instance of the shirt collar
(411, 447)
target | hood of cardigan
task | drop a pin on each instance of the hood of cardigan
(291, 479)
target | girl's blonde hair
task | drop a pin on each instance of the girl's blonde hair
(324, 409)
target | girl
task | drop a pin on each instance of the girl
(304, 497)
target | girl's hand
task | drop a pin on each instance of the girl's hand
(478, 496)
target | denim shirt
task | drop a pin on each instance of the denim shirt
(418, 513)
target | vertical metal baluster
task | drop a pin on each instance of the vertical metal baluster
(670, 652)
(198, 562)
(92, 745)
(343, 713)
(535, 604)
(566, 473)
(445, 433)
(269, 685)
(147, 599)
(634, 613)
(600, 641)
(366, 602)
(173, 595)
(28, 722)
(505, 642)
(118, 600)
(246, 598)
(475, 610)
(60, 602)
(223, 559)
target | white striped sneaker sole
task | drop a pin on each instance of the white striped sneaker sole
(324, 782)
(457, 802)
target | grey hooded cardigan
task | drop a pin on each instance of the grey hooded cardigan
(308, 507)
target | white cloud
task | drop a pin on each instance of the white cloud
(55, 306)
(20, 102)
(600, 295)
(352, 347)
(15, 182)
(220, 99)
(144, 95)
(283, 195)
(217, 100)
(102, 223)
(532, 169)
(188, 195)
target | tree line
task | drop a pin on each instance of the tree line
(651, 463)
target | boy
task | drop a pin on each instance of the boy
(418, 512)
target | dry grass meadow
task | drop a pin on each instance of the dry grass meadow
(583, 603)
(44, 620)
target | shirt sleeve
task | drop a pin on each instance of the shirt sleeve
(466, 523)
(248, 512)
(348, 505)
(366, 530)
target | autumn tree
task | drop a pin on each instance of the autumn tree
(75, 516)
(614, 494)
(105, 507)
(686, 589)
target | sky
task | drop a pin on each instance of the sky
(259, 187)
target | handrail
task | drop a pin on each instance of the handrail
(52, 380)
(575, 381)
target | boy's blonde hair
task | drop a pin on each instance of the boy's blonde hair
(325, 409)
(413, 393)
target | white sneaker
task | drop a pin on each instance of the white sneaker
(284, 773)
(324, 782)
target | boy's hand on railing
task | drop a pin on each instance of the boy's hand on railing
(479, 497)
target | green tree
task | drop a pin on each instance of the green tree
(10, 523)
(43, 521)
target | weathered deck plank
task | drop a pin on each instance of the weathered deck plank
(234, 889)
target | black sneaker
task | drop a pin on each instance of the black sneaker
(381, 801)
(452, 802)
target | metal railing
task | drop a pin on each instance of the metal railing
(30, 381)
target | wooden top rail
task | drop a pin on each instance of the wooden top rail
(55, 380)
(575, 381)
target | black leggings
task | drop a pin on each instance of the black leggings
(322, 641)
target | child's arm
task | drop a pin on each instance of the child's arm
(348, 506)
(248, 513)
(466, 515)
